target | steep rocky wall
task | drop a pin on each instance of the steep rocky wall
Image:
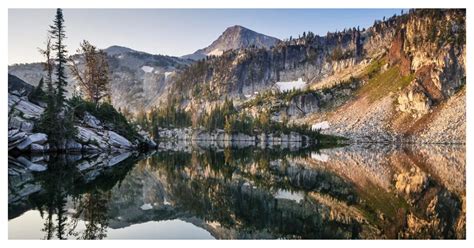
(431, 44)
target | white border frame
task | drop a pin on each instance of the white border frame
(231, 4)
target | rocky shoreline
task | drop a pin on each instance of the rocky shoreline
(93, 136)
(228, 139)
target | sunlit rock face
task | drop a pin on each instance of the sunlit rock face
(416, 103)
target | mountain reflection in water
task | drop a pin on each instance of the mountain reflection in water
(353, 192)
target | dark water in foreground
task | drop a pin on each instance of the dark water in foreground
(354, 192)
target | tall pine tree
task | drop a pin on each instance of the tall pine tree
(57, 119)
(48, 121)
(58, 34)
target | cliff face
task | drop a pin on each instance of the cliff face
(432, 46)
(428, 102)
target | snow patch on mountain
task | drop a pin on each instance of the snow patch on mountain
(320, 126)
(147, 69)
(146, 206)
(286, 194)
(287, 86)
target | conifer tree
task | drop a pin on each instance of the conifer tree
(58, 34)
(38, 93)
(57, 119)
(48, 120)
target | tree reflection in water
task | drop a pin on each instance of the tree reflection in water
(68, 199)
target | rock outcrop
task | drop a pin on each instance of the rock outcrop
(92, 134)
(221, 139)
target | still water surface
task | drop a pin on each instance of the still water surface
(353, 192)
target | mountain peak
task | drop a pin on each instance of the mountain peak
(114, 50)
(235, 28)
(234, 37)
(240, 30)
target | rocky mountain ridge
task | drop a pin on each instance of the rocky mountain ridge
(141, 80)
(395, 75)
(234, 38)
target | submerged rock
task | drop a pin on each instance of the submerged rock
(117, 159)
(72, 145)
(30, 165)
(37, 148)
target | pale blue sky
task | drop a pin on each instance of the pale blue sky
(173, 32)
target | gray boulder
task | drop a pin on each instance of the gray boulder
(92, 121)
(37, 138)
(90, 148)
(86, 135)
(12, 132)
(118, 141)
(29, 109)
(14, 135)
(15, 122)
(27, 126)
(84, 165)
